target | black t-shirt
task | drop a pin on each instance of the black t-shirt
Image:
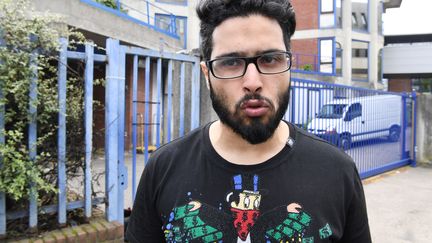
(309, 192)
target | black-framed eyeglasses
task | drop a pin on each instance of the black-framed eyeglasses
(235, 67)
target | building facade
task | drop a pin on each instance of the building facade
(340, 41)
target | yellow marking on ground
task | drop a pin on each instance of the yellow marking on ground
(384, 175)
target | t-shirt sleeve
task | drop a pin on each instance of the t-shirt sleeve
(357, 226)
(145, 225)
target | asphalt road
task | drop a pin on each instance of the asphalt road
(400, 206)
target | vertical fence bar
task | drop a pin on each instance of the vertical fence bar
(61, 136)
(195, 99)
(182, 101)
(2, 141)
(169, 104)
(414, 129)
(134, 122)
(159, 100)
(147, 108)
(404, 125)
(32, 139)
(111, 130)
(88, 121)
(122, 170)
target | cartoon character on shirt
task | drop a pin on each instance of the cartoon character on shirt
(200, 222)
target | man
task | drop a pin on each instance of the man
(248, 177)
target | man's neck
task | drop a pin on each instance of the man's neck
(232, 147)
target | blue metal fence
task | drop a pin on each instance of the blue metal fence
(175, 76)
(63, 205)
(375, 128)
(171, 104)
(166, 108)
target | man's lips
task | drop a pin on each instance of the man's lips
(254, 107)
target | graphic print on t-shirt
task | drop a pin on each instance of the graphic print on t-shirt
(200, 222)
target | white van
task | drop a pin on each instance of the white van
(344, 121)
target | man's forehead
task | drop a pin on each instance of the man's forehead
(247, 36)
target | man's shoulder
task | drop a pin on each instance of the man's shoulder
(184, 144)
(315, 147)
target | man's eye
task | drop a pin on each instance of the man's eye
(230, 62)
(269, 59)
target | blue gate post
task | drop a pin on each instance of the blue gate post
(404, 126)
(122, 170)
(182, 100)
(134, 122)
(111, 130)
(169, 101)
(146, 108)
(88, 122)
(32, 139)
(2, 141)
(414, 129)
(159, 101)
(61, 142)
(195, 99)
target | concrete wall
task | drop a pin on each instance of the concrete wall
(91, 19)
(424, 131)
(408, 59)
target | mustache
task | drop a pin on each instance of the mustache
(254, 97)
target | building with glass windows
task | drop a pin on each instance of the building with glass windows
(340, 41)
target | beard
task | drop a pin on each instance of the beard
(255, 130)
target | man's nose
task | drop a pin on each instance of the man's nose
(252, 82)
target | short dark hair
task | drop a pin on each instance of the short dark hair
(214, 12)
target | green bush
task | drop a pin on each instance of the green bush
(29, 37)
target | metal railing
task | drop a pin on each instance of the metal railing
(143, 13)
(376, 128)
(316, 64)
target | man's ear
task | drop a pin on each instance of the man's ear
(205, 71)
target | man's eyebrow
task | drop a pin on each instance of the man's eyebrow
(231, 54)
(242, 54)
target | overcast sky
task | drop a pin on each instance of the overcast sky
(413, 17)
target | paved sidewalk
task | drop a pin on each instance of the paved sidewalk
(400, 206)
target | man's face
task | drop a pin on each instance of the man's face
(254, 104)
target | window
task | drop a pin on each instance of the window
(354, 20)
(178, 2)
(326, 6)
(173, 24)
(355, 110)
(364, 20)
(327, 14)
(360, 9)
(360, 60)
(339, 13)
(326, 56)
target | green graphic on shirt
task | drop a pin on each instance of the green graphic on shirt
(188, 225)
(325, 232)
(294, 224)
(308, 240)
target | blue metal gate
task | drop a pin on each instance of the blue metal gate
(184, 79)
(166, 108)
(376, 128)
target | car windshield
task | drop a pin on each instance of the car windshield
(334, 111)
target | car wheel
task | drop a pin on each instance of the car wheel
(345, 142)
(394, 134)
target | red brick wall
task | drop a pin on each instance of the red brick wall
(304, 52)
(306, 14)
(400, 85)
